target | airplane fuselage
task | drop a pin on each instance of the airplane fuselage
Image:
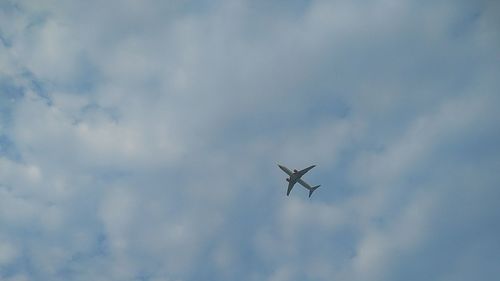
(295, 177)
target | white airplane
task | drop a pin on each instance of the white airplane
(295, 177)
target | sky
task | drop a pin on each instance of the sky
(139, 140)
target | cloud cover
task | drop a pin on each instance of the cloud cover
(139, 140)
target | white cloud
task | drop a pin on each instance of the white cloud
(8, 253)
(147, 145)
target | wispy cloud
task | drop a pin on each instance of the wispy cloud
(139, 140)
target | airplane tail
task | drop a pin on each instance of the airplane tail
(313, 189)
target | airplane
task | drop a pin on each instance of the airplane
(295, 177)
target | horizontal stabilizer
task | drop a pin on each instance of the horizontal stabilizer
(313, 189)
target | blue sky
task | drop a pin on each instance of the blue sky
(139, 140)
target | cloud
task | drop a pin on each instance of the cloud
(139, 141)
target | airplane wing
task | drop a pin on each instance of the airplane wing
(285, 169)
(290, 186)
(304, 184)
(303, 172)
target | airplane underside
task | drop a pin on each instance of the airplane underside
(295, 177)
